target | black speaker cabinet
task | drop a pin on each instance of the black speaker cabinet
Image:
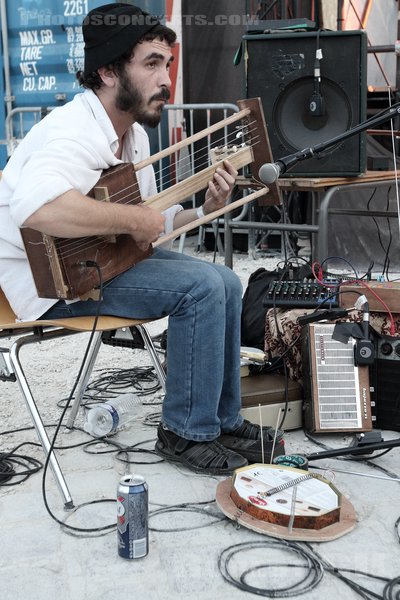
(280, 70)
(385, 379)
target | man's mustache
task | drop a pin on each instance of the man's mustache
(164, 94)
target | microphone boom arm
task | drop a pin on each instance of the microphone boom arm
(285, 163)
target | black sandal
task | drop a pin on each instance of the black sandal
(201, 457)
(253, 450)
(252, 431)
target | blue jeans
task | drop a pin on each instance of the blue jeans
(203, 301)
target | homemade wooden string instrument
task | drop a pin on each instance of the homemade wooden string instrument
(286, 502)
(59, 264)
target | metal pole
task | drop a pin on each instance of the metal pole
(6, 62)
(38, 423)
(340, 15)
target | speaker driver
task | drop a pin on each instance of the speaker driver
(296, 126)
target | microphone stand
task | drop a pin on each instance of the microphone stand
(361, 448)
(289, 161)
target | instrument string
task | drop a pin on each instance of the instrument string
(77, 245)
(289, 484)
(70, 247)
(249, 130)
(224, 140)
(132, 192)
(200, 156)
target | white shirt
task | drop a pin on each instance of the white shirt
(67, 150)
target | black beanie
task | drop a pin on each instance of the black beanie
(112, 29)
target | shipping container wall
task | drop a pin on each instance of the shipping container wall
(42, 41)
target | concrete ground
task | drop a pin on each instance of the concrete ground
(41, 559)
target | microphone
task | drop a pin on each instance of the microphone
(270, 172)
(317, 101)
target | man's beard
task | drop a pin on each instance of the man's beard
(129, 99)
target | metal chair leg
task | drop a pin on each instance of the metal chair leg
(37, 421)
(91, 359)
(84, 379)
(155, 359)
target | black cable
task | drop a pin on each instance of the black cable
(11, 461)
(285, 220)
(386, 263)
(138, 448)
(119, 449)
(46, 464)
(143, 380)
(189, 507)
(338, 572)
(397, 528)
(7, 470)
(343, 260)
(30, 428)
(389, 592)
(112, 381)
(76, 532)
(111, 384)
(152, 420)
(312, 565)
(38, 445)
(285, 410)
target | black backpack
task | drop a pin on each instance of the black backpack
(253, 311)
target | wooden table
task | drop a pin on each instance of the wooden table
(323, 190)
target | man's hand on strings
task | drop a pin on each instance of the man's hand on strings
(220, 187)
(147, 226)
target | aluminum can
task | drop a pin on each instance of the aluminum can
(132, 517)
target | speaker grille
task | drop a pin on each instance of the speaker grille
(297, 128)
(280, 70)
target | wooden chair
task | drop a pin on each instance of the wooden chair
(39, 331)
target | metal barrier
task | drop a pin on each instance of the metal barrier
(19, 121)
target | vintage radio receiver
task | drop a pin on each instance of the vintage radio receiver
(336, 391)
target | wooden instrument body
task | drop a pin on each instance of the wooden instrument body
(58, 265)
(317, 502)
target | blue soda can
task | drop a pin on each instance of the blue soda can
(132, 517)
